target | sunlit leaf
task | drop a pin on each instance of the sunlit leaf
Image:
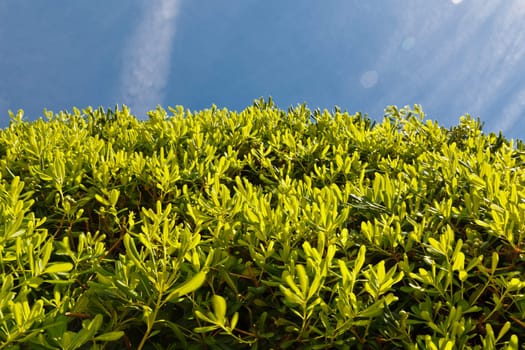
(194, 283)
(58, 267)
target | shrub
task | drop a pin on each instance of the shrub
(260, 229)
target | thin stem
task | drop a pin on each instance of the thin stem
(151, 322)
(496, 307)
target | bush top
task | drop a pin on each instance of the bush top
(259, 229)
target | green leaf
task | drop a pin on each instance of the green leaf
(292, 298)
(110, 336)
(219, 308)
(449, 345)
(58, 267)
(203, 317)
(102, 200)
(234, 320)
(303, 279)
(290, 281)
(205, 329)
(316, 285)
(494, 263)
(187, 287)
(35, 282)
(250, 215)
(503, 330)
(113, 197)
(132, 252)
(459, 262)
(515, 284)
(18, 310)
(345, 273)
(436, 245)
(463, 275)
(88, 331)
(513, 343)
(360, 260)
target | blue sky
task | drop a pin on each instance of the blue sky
(452, 57)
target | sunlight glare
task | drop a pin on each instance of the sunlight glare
(369, 79)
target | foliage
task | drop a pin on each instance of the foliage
(260, 229)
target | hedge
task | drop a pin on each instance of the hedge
(259, 229)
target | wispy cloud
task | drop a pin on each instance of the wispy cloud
(147, 57)
(464, 57)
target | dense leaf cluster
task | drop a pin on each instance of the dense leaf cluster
(260, 229)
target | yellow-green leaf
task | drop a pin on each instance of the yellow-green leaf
(58, 267)
(110, 336)
(459, 262)
(187, 287)
(219, 308)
